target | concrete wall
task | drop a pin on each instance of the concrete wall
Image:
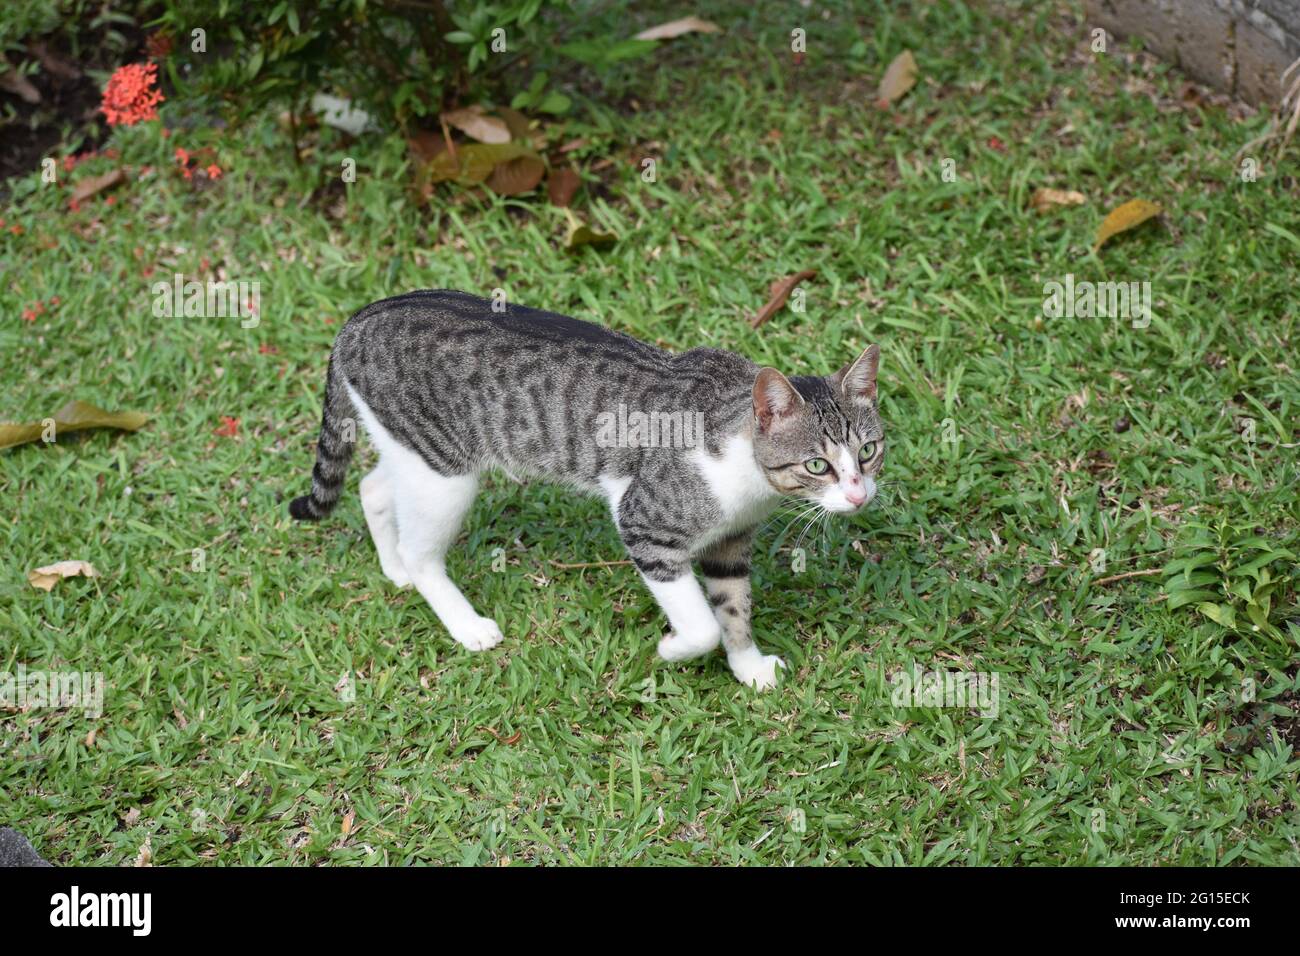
(1239, 46)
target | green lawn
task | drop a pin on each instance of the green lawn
(1125, 732)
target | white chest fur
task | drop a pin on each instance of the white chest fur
(737, 484)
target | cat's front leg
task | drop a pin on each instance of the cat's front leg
(659, 549)
(726, 567)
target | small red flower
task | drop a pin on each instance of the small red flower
(182, 156)
(110, 200)
(228, 428)
(268, 349)
(214, 171)
(74, 204)
(16, 229)
(29, 315)
(131, 95)
(997, 144)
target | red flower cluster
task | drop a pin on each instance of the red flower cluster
(30, 314)
(132, 95)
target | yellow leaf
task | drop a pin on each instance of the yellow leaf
(1123, 218)
(45, 578)
(1044, 199)
(899, 77)
(72, 417)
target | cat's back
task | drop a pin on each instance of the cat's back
(446, 321)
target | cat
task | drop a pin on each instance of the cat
(692, 452)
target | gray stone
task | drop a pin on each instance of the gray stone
(1239, 46)
(16, 851)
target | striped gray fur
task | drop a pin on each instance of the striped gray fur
(468, 388)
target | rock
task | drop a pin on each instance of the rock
(16, 851)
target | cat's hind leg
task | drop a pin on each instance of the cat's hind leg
(377, 502)
(430, 508)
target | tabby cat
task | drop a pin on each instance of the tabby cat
(692, 451)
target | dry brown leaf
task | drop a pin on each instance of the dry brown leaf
(426, 145)
(476, 125)
(516, 122)
(145, 856)
(676, 28)
(45, 578)
(516, 176)
(781, 290)
(348, 819)
(1123, 218)
(97, 184)
(899, 77)
(562, 186)
(1044, 199)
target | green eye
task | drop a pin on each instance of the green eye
(868, 451)
(818, 466)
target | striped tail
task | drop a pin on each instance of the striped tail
(338, 436)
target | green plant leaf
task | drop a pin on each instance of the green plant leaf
(1223, 614)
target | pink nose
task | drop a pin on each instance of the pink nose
(856, 496)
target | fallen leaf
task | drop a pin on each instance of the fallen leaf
(580, 234)
(676, 28)
(780, 290)
(97, 184)
(519, 125)
(1044, 199)
(900, 76)
(474, 163)
(145, 856)
(132, 817)
(516, 176)
(475, 124)
(348, 819)
(72, 417)
(562, 186)
(426, 145)
(229, 427)
(45, 578)
(1123, 218)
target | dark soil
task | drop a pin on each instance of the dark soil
(67, 119)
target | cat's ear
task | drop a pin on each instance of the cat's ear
(774, 398)
(858, 378)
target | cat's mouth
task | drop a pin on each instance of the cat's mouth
(848, 497)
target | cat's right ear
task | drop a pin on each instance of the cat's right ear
(774, 399)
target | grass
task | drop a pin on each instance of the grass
(1123, 735)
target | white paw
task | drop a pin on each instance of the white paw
(479, 634)
(756, 670)
(675, 647)
(398, 575)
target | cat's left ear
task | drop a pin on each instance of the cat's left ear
(858, 378)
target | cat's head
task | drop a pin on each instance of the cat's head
(821, 438)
